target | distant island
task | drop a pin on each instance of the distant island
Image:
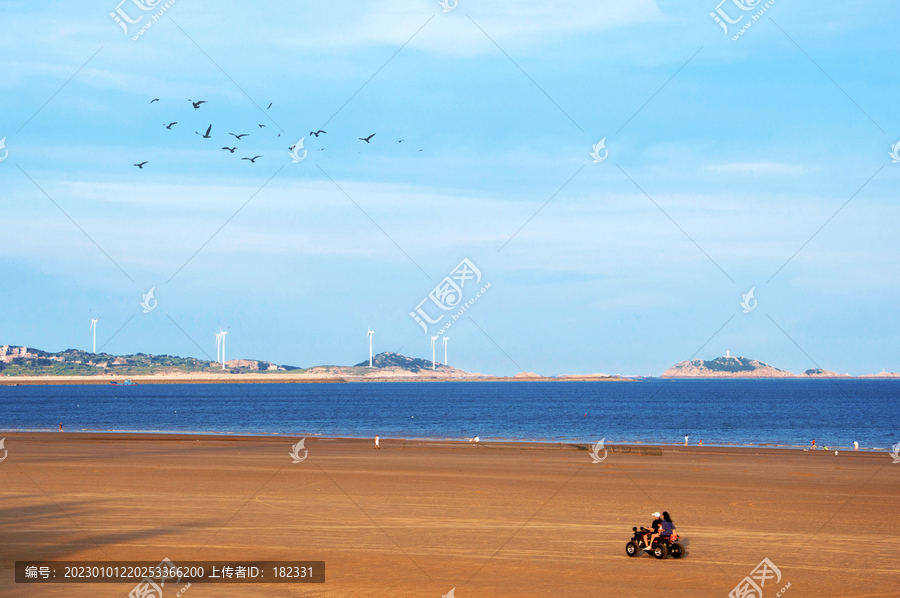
(743, 367)
(26, 365)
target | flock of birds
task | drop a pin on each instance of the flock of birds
(238, 136)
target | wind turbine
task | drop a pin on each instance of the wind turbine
(433, 339)
(446, 338)
(218, 345)
(371, 335)
(222, 334)
(94, 330)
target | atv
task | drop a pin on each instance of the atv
(661, 548)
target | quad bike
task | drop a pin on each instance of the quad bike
(661, 548)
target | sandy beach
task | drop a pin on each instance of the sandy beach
(419, 518)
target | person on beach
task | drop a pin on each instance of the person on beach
(814, 444)
(654, 527)
(667, 526)
(60, 427)
(855, 446)
(701, 442)
(377, 446)
(685, 439)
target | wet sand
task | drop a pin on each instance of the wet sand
(419, 518)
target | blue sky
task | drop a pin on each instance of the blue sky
(724, 159)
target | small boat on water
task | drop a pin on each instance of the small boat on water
(125, 383)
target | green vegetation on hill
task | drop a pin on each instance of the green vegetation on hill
(731, 364)
(74, 362)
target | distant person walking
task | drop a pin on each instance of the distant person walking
(701, 442)
(814, 444)
(685, 439)
(60, 427)
(855, 446)
(377, 446)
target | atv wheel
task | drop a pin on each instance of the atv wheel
(632, 549)
(660, 551)
(677, 551)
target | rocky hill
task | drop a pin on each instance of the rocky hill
(725, 367)
(391, 365)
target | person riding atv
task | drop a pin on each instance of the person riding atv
(659, 543)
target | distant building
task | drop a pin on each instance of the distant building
(7, 353)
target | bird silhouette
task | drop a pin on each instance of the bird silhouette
(321, 149)
(316, 133)
(154, 100)
(269, 106)
(238, 137)
(141, 165)
(252, 160)
(169, 126)
(401, 141)
(366, 139)
(261, 126)
(230, 149)
(197, 104)
(207, 136)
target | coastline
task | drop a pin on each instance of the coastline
(634, 446)
(319, 379)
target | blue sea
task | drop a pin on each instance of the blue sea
(720, 412)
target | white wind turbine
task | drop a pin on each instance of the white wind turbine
(433, 339)
(218, 345)
(446, 338)
(371, 335)
(94, 330)
(222, 334)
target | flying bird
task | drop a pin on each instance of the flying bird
(316, 133)
(230, 149)
(401, 141)
(321, 149)
(154, 100)
(252, 160)
(238, 137)
(207, 136)
(169, 126)
(197, 104)
(261, 126)
(269, 106)
(366, 139)
(141, 165)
